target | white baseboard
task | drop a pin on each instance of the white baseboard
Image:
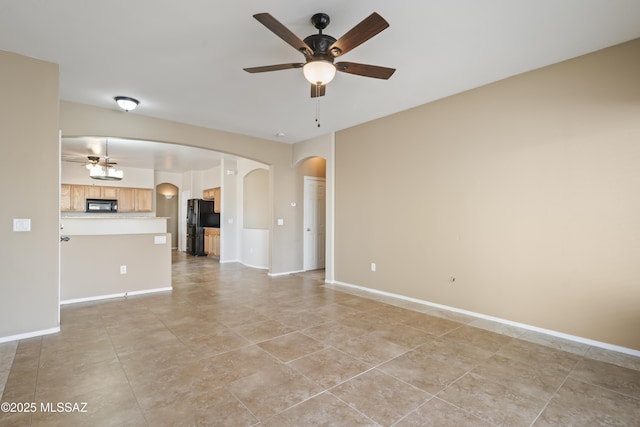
(118, 295)
(550, 332)
(285, 273)
(260, 267)
(30, 334)
(149, 291)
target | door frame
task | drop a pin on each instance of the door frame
(305, 243)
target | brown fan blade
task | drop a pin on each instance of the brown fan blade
(359, 34)
(284, 33)
(365, 70)
(273, 67)
(318, 90)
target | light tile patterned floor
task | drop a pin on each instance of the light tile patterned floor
(232, 346)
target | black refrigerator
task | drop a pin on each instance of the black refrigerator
(200, 214)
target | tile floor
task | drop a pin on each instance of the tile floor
(232, 346)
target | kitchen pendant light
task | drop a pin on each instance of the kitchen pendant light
(107, 173)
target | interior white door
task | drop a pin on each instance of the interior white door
(314, 223)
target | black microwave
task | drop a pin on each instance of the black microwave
(102, 205)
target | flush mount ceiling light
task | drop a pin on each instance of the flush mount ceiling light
(126, 103)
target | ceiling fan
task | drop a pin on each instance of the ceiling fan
(320, 50)
(104, 170)
(95, 160)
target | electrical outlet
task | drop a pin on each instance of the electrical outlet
(123, 269)
(373, 266)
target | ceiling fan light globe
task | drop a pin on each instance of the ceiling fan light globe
(319, 72)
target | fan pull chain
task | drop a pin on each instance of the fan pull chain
(317, 106)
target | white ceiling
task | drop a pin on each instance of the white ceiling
(183, 59)
(142, 154)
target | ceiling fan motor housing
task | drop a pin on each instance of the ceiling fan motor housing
(320, 44)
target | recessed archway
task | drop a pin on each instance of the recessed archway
(167, 206)
(312, 175)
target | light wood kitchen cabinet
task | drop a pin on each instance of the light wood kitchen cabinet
(208, 242)
(213, 194)
(216, 243)
(207, 194)
(72, 198)
(65, 197)
(109, 193)
(135, 200)
(217, 203)
(93, 192)
(126, 200)
(212, 241)
(143, 199)
(100, 192)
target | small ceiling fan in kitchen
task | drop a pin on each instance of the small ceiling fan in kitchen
(104, 170)
(320, 50)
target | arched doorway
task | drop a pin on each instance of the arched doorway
(256, 218)
(167, 206)
(313, 173)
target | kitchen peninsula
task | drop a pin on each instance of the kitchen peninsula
(111, 255)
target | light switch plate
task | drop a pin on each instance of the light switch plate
(280, 221)
(159, 240)
(21, 224)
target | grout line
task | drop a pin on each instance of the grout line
(584, 381)
(5, 369)
(35, 386)
(124, 371)
(353, 407)
(544, 408)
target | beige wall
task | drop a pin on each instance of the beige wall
(256, 199)
(30, 189)
(79, 120)
(313, 166)
(526, 191)
(230, 212)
